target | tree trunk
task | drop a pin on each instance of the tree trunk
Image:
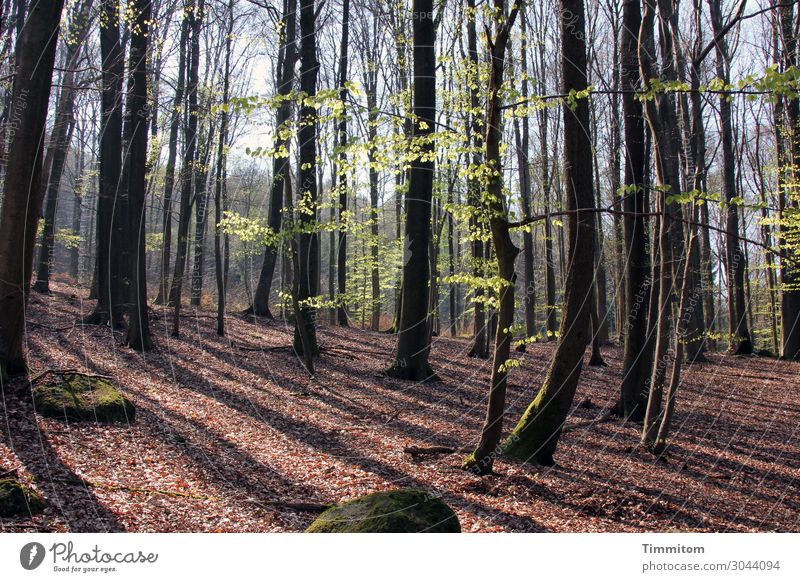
(482, 459)
(169, 171)
(638, 347)
(341, 256)
(195, 18)
(22, 193)
(305, 340)
(536, 434)
(479, 344)
(738, 331)
(60, 138)
(109, 265)
(220, 178)
(280, 163)
(413, 341)
(138, 336)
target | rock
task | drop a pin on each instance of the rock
(397, 511)
(19, 499)
(78, 397)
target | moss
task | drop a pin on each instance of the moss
(18, 499)
(397, 511)
(78, 397)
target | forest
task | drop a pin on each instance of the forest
(399, 266)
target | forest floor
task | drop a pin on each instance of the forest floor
(231, 435)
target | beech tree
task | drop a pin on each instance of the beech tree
(413, 333)
(35, 55)
(536, 435)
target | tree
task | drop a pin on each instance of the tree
(195, 17)
(220, 262)
(413, 333)
(109, 268)
(481, 460)
(22, 194)
(307, 261)
(479, 348)
(536, 435)
(172, 155)
(60, 138)
(740, 341)
(136, 126)
(638, 348)
(341, 131)
(287, 59)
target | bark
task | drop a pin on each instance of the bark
(172, 155)
(109, 220)
(523, 143)
(479, 348)
(195, 16)
(482, 459)
(138, 336)
(22, 195)
(60, 138)
(219, 182)
(740, 341)
(200, 218)
(280, 164)
(77, 212)
(307, 261)
(341, 257)
(787, 114)
(638, 347)
(413, 341)
(662, 120)
(536, 435)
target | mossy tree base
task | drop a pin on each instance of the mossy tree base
(397, 511)
(478, 467)
(399, 372)
(19, 499)
(78, 397)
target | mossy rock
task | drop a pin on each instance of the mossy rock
(78, 397)
(397, 511)
(19, 499)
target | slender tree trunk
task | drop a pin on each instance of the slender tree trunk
(788, 139)
(280, 164)
(536, 434)
(195, 18)
(638, 347)
(479, 343)
(523, 145)
(78, 191)
(60, 138)
(220, 178)
(413, 334)
(738, 331)
(662, 120)
(482, 459)
(341, 258)
(305, 341)
(169, 171)
(109, 263)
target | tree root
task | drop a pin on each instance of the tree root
(602, 418)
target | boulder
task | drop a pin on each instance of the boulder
(19, 499)
(78, 397)
(396, 511)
